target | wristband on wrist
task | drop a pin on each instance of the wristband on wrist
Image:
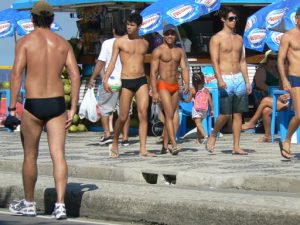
(11, 109)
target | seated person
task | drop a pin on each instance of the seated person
(264, 110)
(265, 76)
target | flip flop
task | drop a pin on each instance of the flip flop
(112, 153)
(284, 150)
(148, 154)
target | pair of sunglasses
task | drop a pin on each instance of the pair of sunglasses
(232, 18)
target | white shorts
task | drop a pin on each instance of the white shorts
(197, 114)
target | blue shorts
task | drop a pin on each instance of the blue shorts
(294, 81)
(234, 98)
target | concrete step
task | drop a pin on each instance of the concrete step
(160, 204)
(188, 178)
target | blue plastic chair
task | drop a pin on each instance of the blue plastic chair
(185, 110)
(283, 117)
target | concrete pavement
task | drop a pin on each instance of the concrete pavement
(191, 188)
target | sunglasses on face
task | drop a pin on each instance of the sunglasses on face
(232, 18)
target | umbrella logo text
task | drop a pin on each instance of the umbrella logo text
(256, 36)
(4, 27)
(26, 25)
(274, 17)
(150, 20)
(181, 12)
(208, 3)
(250, 22)
(276, 37)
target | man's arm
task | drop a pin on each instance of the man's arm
(16, 74)
(99, 66)
(73, 72)
(244, 69)
(154, 73)
(185, 71)
(214, 50)
(282, 54)
(111, 65)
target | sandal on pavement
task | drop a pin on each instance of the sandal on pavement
(175, 150)
(113, 153)
(284, 150)
(164, 150)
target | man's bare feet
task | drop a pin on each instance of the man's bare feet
(113, 153)
(239, 152)
(147, 154)
(248, 126)
(210, 144)
(264, 139)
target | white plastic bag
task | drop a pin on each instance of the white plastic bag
(89, 107)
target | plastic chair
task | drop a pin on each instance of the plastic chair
(283, 117)
(185, 110)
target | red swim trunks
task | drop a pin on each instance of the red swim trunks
(170, 87)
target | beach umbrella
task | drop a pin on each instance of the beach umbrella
(267, 25)
(13, 21)
(174, 12)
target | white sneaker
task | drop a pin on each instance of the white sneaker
(59, 212)
(20, 208)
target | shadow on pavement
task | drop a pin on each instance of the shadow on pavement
(73, 198)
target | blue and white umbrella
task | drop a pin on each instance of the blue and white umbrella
(268, 25)
(12, 21)
(174, 12)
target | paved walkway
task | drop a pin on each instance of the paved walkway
(262, 169)
(191, 188)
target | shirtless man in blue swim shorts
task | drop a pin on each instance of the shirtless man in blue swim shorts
(290, 51)
(228, 59)
(43, 55)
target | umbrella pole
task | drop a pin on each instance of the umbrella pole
(15, 36)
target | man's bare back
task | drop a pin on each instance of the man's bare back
(132, 53)
(45, 56)
(230, 51)
(169, 60)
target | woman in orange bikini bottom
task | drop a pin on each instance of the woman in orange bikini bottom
(170, 87)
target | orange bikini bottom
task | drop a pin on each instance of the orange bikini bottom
(170, 87)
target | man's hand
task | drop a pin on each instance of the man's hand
(155, 97)
(91, 83)
(248, 88)
(284, 98)
(212, 113)
(71, 114)
(286, 85)
(222, 84)
(106, 86)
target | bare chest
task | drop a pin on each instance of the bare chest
(231, 44)
(173, 55)
(133, 47)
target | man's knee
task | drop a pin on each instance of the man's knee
(266, 111)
